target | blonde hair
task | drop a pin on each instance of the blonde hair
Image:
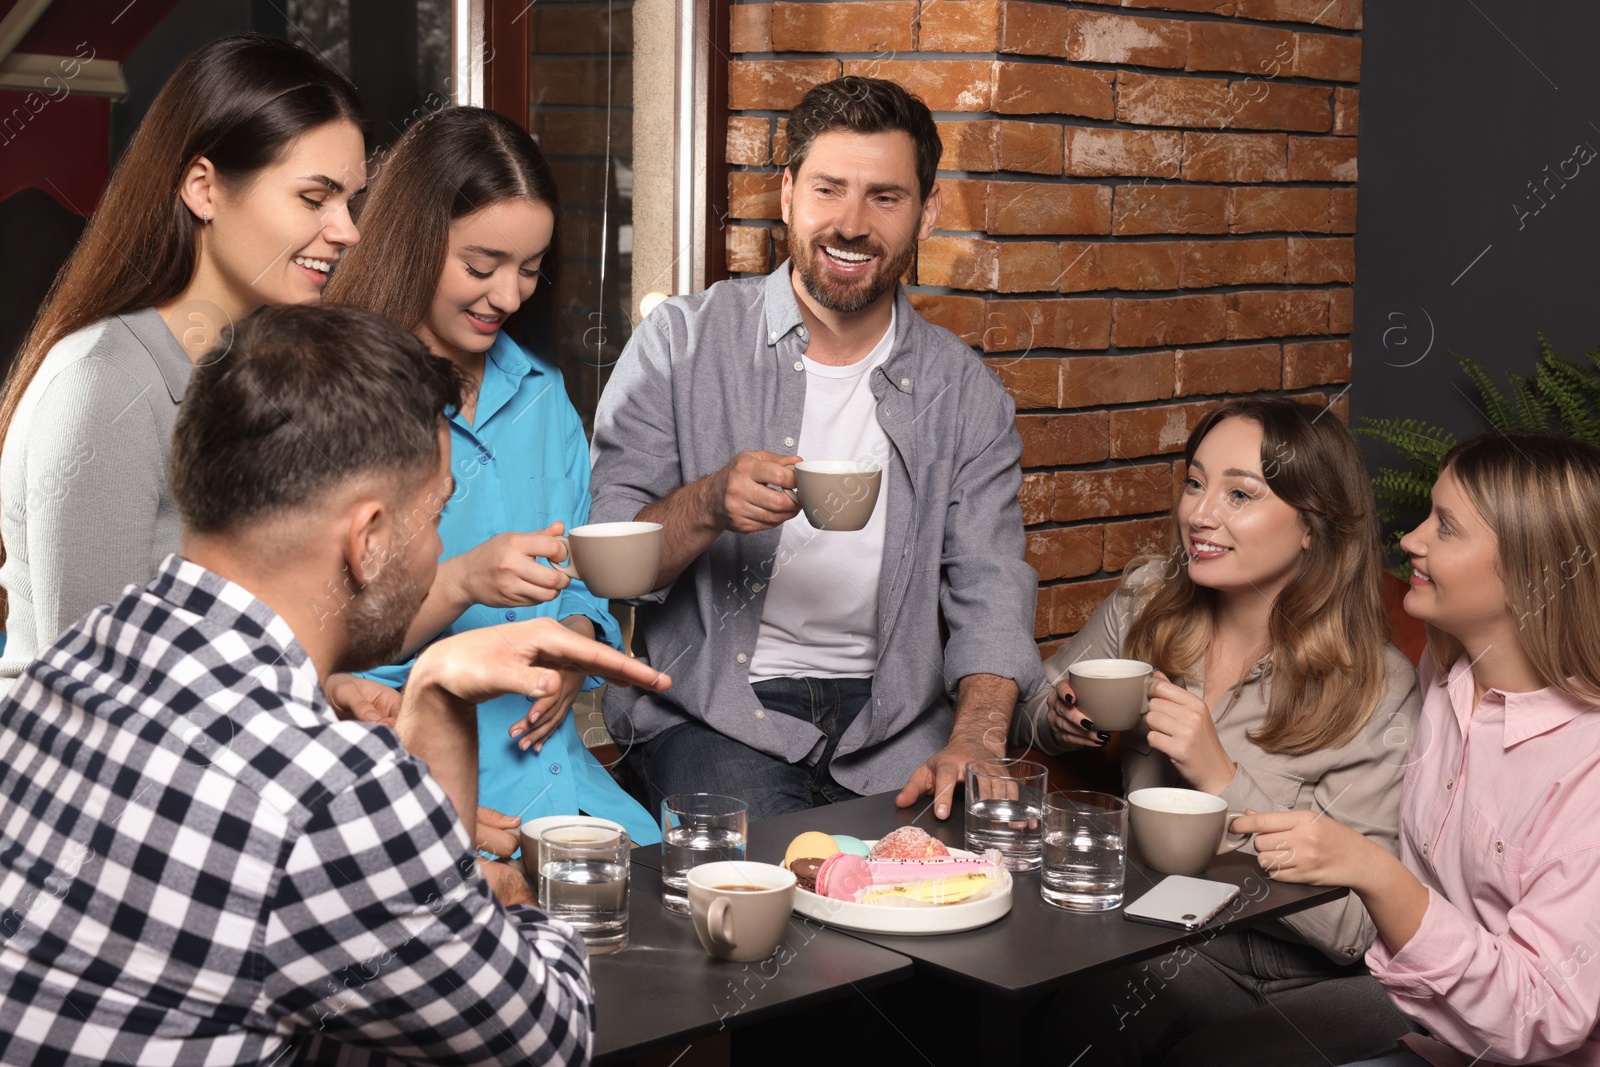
(1328, 627)
(1539, 494)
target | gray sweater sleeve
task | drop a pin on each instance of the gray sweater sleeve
(1100, 638)
(1362, 791)
(95, 472)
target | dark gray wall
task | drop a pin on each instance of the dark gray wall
(1463, 103)
(188, 26)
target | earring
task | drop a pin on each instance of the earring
(205, 217)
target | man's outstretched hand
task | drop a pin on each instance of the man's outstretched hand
(983, 715)
(524, 658)
(945, 769)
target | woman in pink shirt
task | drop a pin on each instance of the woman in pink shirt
(1489, 923)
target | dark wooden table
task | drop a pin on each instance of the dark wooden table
(1012, 964)
(663, 990)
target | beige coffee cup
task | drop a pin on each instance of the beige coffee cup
(614, 559)
(740, 908)
(837, 494)
(530, 831)
(1112, 693)
(1180, 831)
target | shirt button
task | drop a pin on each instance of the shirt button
(772, 338)
(788, 442)
(511, 616)
(484, 458)
(1424, 848)
(1450, 784)
(555, 768)
(742, 658)
(1352, 951)
(1499, 846)
(760, 714)
(757, 587)
(905, 383)
(802, 332)
(799, 365)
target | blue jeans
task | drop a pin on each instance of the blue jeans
(695, 758)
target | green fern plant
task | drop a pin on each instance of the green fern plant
(1562, 396)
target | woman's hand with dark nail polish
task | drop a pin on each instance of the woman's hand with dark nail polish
(1068, 727)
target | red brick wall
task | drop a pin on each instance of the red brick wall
(1144, 212)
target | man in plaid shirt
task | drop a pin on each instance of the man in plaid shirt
(199, 862)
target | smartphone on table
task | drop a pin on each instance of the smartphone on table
(1182, 902)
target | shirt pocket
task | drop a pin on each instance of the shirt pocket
(1284, 789)
(1492, 864)
(546, 500)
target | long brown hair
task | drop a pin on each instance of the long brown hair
(1539, 494)
(1328, 626)
(239, 102)
(449, 164)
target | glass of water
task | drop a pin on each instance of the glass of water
(697, 828)
(583, 880)
(1085, 850)
(1005, 800)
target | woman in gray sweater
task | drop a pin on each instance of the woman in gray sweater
(1277, 692)
(235, 192)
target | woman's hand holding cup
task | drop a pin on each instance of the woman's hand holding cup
(1181, 728)
(1068, 725)
(505, 571)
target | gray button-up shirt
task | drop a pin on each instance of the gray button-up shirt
(711, 375)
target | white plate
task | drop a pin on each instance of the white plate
(991, 903)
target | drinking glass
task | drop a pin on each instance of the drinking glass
(1005, 799)
(697, 828)
(583, 879)
(1085, 850)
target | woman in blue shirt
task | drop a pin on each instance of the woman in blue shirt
(460, 234)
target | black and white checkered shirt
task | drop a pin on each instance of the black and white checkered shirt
(199, 864)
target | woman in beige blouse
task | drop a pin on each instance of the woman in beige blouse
(1276, 690)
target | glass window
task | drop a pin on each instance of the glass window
(581, 111)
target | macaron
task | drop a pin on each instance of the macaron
(805, 872)
(812, 843)
(853, 845)
(842, 876)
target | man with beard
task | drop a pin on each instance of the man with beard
(814, 665)
(201, 863)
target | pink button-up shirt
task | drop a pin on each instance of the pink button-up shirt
(1501, 821)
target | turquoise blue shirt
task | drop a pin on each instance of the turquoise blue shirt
(523, 465)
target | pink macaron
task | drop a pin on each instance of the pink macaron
(842, 875)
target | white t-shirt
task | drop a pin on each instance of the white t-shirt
(820, 619)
